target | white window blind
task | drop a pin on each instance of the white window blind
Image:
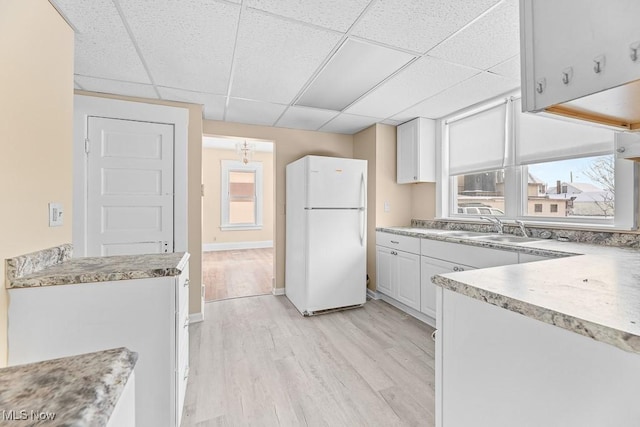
(477, 142)
(542, 138)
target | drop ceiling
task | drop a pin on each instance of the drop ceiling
(327, 65)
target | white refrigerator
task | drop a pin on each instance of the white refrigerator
(326, 233)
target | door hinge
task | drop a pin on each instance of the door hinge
(86, 145)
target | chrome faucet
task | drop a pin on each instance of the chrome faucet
(523, 230)
(496, 222)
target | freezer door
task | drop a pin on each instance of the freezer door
(336, 183)
(336, 259)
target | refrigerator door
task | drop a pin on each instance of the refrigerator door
(335, 183)
(336, 259)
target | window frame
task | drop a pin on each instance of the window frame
(515, 179)
(228, 166)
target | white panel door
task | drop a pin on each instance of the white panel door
(336, 183)
(336, 259)
(130, 187)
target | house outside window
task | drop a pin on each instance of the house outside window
(517, 165)
(241, 195)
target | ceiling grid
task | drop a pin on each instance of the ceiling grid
(324, 65)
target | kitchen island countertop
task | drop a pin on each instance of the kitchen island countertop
(75, 391)
(592, 290)
(94, 269)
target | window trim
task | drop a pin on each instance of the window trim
(626, 173)
(233, 166)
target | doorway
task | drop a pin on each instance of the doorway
(238, 205)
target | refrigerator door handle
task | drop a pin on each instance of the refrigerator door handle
(363, 198)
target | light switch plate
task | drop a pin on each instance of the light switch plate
(387, 207)
(55, 214)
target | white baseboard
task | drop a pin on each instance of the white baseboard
(227, 246)
(278, 291)
(196, 317)
(412, 312)
(372, 294)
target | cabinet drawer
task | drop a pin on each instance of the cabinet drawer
(473, 256)
(396, 241)
(183, 376)
(183, 289)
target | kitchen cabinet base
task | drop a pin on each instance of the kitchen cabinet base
(410, 311)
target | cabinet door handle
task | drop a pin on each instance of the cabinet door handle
(186, 374)
(186, 283)
(393, 241)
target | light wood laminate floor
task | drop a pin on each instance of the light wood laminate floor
(256, 361)
(237, 273)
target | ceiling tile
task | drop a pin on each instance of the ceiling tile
(305, 118)
(253, 112)
(349, 124)
(420, 80)
(93, 84)
(275, 58)
(334, 14)
(489, 41)
(417, 25)
(103, 47)
(392, 122)
(213, 104)
(353, 70)
(187, 44)
(478, 88)
(509, 68)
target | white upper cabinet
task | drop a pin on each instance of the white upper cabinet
(577, 58)
(416, 145)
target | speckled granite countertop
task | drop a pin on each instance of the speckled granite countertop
(77, 391)
(592, 290)
(100, 269)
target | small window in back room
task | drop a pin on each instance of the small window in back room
(242, 197)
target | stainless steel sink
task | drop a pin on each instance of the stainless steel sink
(448, 233)
(505, 238)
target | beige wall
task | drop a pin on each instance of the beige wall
(211, 209)
(289, 145)
(194, 198)
(36, 132)
(423, 201)
(398, 196)
(377, 144)
(364, 147)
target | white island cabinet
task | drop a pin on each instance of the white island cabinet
(498, 368)
(147, 315)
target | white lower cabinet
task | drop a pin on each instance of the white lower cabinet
(148, 316)
(398, 270)
(429, 267)
(408, 279)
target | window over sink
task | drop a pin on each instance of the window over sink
(498, 161)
